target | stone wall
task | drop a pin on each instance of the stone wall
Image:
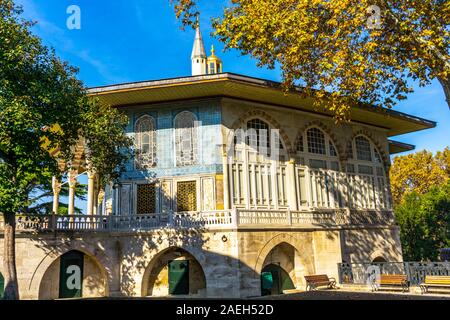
(130, 264)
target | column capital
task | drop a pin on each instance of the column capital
(56, 185)
(72, 178)
(91, 174)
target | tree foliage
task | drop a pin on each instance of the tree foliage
(424, 222)
(418, 172)
(39, 92)
(336, 50)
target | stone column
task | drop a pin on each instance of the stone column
(91, 193)
(72, 186)
(56, 186)
(291, 185)
(100, 198)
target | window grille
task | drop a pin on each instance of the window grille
(185, 139)
(145, 142)
(187, 196)
(146, 198)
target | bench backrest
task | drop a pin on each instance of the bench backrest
(317, 278)
(437, 280)
(392, 278)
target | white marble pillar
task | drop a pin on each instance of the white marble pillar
(226, 189)
(56, 186)
(72, 186)
(91, 193)
(291, 185)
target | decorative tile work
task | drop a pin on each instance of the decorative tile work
(209, 138)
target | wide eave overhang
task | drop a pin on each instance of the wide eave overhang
(250, 89)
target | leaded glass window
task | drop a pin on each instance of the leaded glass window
(363, 149)
(258, 131)
(186, 139)
(316, 141)
(145, 140)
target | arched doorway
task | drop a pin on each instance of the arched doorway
(279, 270)
(379, 259)
(73, 275)
(175, 272)
(2, 285)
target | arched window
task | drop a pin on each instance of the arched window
(316, 141)
(366, 158)
(317, 150)
(367, 177)
(258, 131)
(145, 142)
(186, 139)
(363, 149)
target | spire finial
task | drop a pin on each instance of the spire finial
(212, 50)
(197, 20)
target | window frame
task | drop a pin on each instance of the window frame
(139, 164)
(305, 157)
(194, 140)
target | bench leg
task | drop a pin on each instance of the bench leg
(423, 289)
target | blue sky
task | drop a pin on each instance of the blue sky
(133, 40)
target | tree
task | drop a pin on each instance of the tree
(418, 172)
(424, 222)
(39, 92)
(340, 51)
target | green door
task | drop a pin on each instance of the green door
(71, 275)
(178, 277)
(266, 283)
(2, 286)
(280, 280)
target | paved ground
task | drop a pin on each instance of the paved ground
(352, 295)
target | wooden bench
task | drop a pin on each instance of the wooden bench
(314, 281)
(392, 280)
(435, 282)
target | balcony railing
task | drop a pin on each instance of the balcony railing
(227, 219)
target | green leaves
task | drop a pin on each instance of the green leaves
(327, 46)
(424, 222)
(38, 92)
(418, 172)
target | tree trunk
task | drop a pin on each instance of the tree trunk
(9, 258)
(446, 85)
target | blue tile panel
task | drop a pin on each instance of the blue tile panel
(209, 146)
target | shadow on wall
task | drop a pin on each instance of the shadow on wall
(361, 246)
(159, 263)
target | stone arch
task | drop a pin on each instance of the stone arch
(100, 259)
(263, 115)
(378, 255)
(319, 124)
(304, 260)
(368, 135)
(155, 269)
